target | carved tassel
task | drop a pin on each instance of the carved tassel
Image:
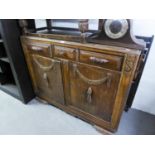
(45, 77)
(109, 80)
(89, 95)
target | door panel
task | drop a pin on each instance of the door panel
(48, 78)
(93, 89)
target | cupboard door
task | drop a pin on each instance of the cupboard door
(93, 90)
(47, 78)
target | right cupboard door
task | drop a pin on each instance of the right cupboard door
(93, 89)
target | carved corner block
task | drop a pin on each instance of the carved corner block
(129, 63)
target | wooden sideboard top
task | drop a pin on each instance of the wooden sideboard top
(98, 47)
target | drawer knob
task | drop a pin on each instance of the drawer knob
(98, 60)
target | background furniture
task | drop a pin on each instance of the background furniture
(5, 70)
(14, 78)
(142, 62)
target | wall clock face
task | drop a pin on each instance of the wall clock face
(116, 28)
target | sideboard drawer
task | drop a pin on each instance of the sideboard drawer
(103, 60)
(41, 49)
(64, 52)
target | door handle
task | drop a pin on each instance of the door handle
(98, 60)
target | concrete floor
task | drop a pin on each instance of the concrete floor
(36, 118)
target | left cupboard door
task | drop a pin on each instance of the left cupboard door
(47, 78)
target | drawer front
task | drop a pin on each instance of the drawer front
(103, 60)
(47, 76)
(64, 52)
(93, 90)
(41, 49)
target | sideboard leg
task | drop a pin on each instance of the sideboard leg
(102, 131)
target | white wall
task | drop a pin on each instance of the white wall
(145, 96)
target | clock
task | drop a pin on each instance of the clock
(116, 32)
(115, 28)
